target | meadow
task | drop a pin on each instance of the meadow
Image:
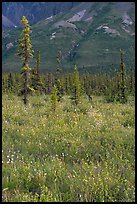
(73, 154)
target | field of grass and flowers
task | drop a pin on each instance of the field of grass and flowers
(77, 153)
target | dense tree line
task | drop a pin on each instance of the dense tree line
(74, 84)
(31, 81)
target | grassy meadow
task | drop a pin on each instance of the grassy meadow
(75, 154)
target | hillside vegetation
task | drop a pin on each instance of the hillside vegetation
(89, 35)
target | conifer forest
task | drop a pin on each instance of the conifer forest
(67, 136)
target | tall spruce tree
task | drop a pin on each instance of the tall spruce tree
(122, 76)
(25, 52)
(36, 79)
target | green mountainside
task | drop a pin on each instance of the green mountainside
(89, 35)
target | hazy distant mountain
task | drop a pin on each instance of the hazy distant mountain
(6, 23)
(90, 34)
(34, 11)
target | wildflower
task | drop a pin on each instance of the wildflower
(95, 167)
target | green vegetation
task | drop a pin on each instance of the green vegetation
(85, 46)
(54, 98)
(80, 153)
(75, 139)
(122, 88)
(25, 52)
(36, 82)
(76, 86)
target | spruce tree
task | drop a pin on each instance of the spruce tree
(131, 82)
(54, 98)
(38, 62)
(76, 86)
(36, 79)
(59, 60)
(10, 82)
(58, 76)
(49, 83)
(122, 76)
(66, 84)
(87, 87)
(3, 83)
(25, 52)
(118, 86)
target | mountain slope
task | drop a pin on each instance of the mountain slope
(6, 23)
(34, 11)
(90, 35)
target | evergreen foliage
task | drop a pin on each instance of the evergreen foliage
(49, 83)
(25, 52)
(10, 82)
(114, 88)
(76, 86)
(58, 76)
(36, 81)
(87, 86)
(122, 76)
(54, 98)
